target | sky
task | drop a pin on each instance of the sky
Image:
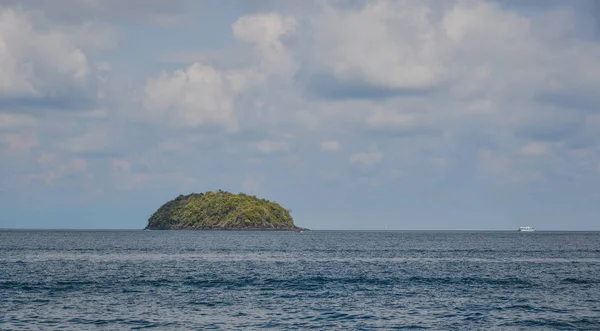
(357, 115)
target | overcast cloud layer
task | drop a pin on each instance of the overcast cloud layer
(376, 114)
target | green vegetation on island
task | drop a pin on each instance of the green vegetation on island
(221, 210)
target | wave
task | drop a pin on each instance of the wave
(575, 324)
(471, 280)
(580, 281)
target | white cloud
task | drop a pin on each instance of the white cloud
(8, 121)
(167, 20)
(155, 12)
(265, 31)
(404, 67)
(197, 96)
(93, 114)
(120, 165)
(181, 144)
(370, 158)
(124, 176)
(202, 95)
(388, 44)
(534, 149)
(18, 142)
(95, 139)
(39, 61)
(399, 122)
(57, 168)
(272, 146)
(330, 145)
(394, 50)
(383, 119)
(102, 66)
(503, 168)
(91, 36)
(470, 19)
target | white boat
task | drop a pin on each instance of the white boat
(526, 229)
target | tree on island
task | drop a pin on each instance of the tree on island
(221, 210)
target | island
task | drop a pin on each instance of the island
(221, 210)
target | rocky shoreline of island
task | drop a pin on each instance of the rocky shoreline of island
(297, 229)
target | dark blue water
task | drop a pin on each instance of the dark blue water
(176, 280)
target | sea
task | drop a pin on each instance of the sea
(335, 280)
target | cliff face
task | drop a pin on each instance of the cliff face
(221, 210)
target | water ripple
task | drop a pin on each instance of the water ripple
(130, 280)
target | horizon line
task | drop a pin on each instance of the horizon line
(366, 230)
